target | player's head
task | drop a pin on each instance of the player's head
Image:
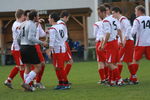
(33, 15)
(26, 14)
(116, 12)
(53, 18)
(108, 8)
(19, 14)
(64, 15)
(139, 10)
(102, 11)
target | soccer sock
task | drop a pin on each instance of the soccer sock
(25, 76)
(116, 74)
(102, 74)
(30, 78)
(40, 74)
(106, 70)
(135, 66)
(110, 75)
(13, 73)
(67, 68)
(59, 77)
(120, 66)
(64, 76)
(22, 74)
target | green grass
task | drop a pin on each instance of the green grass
(84, 77)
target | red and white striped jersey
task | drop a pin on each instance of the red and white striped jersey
(125, 26)
(57, 38)
(98, 31)
(15, 34)
(111, 25)
(141, 27)
(61, 22)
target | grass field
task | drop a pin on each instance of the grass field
(84, 77)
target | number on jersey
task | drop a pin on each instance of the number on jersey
(23, 32)
(114, 24)
(146, 24)
(61, 33)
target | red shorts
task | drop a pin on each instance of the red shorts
(140, 51)
(126, 53)
(100, 54)
(17, 57)
(68, 55)
(39, 52)
(58, 60)
(112, 51)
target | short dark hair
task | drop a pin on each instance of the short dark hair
(107, 5)
(32, 14)
(117, 9)
(140, 8)
(26, 12)
(102, 8)
(54, 16)
(19, 13)
(64, 13)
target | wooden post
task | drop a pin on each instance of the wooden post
(2, 44)
(85, 37)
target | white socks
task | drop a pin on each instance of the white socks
(30, 77)
(25, 76)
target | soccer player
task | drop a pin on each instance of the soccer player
(40, 33)
(126, 52)
(15, 49)
(111, 30)
(141, 27)
(64, 17)
(101, 54)
(28, 50)
(57, 48)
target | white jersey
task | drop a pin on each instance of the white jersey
(40, 32)
(98, 31)
(57, 39)
(111, 25)
(125, 26)
(15, 34)
(61, 22)
(141, 27)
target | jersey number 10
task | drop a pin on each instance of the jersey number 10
(61, 33)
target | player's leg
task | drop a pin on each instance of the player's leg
(112, 53)
(133, 68)
(38, 78)
(15, 70)
(120, 58)
(68, 59)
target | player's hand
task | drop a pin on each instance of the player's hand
(41, 20)
(48, 52)
(45, 43)
(101, 47)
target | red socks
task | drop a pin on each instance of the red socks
(116, 74)
(67, 68)
(107, 73)
(13, 73)
(22, 75)
(133, 68)
(102, 74)
(40, 74)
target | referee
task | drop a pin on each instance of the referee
(28, 50)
